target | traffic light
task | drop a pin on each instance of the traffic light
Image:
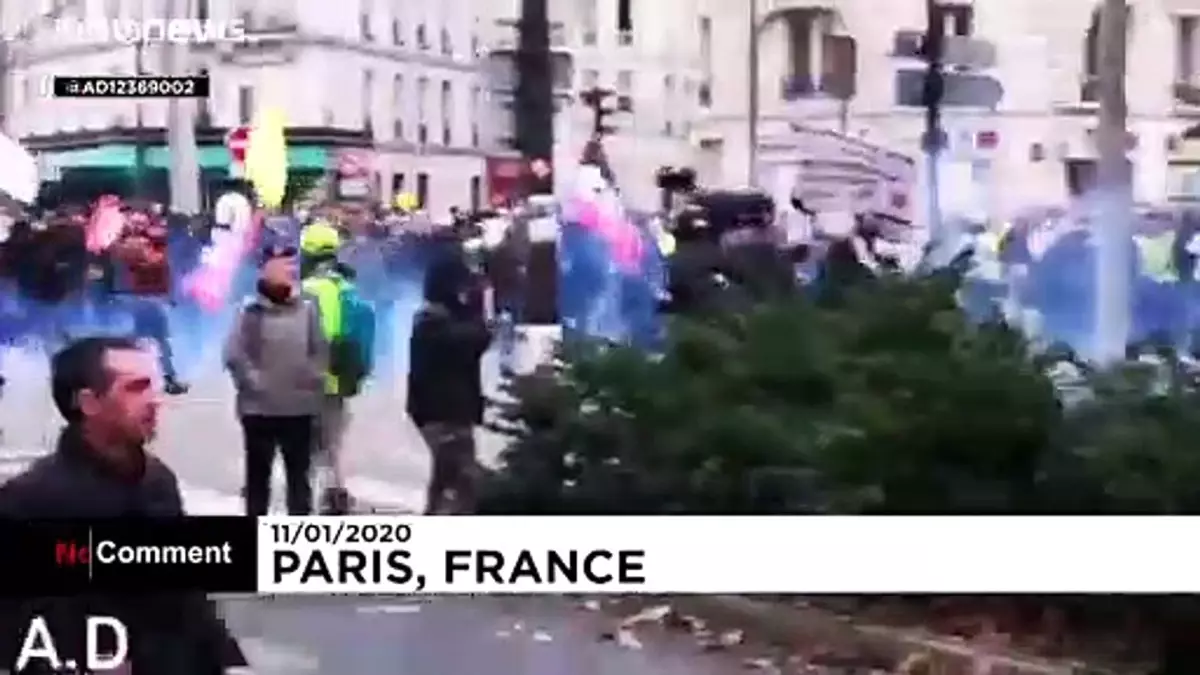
(597, 99)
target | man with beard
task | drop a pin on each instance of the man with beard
(141, 252)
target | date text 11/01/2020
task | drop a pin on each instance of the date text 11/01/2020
(108, 86)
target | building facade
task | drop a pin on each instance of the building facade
(396, 79)
(1035, 146)
(648, 54)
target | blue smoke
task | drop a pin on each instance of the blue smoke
(598, 300)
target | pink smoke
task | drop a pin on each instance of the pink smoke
(608, 221)
(211, 282)
(105, 224)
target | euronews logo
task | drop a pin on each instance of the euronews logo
(139, 31)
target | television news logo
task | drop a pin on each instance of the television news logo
(38, 644)
(68, 553)
(135, 31)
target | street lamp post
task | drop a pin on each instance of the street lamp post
(755, 26)
(139, 143)
(1114, 202)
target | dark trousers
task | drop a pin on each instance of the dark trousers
(453, 483)
(292, 437)
(150, 322)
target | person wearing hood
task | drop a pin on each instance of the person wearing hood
(445, 390)
(277, 355)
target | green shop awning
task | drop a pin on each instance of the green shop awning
(124, 156)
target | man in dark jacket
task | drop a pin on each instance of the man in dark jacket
(142, 252)
(445, 391)
(104, 388)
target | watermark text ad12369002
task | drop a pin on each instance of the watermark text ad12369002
(113, 86)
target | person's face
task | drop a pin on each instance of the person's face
(281, 271)
(128, 411)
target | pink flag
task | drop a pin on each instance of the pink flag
(105, 225)
(622, 237)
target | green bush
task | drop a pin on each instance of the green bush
(885, 399)
(878, 398)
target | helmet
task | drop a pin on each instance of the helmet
(320, 238)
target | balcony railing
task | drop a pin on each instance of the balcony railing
(797, 87)
(1089, 89)
(1187, 93)
(804, 87)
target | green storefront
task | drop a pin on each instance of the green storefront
(114, 167)
(79, 166)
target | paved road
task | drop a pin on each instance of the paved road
(465, 636)
(387, 462)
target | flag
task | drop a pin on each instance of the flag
(266, 158)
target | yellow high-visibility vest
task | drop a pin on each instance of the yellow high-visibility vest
(1157, 257)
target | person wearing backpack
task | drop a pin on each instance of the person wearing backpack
(278, 355)
(348, 323)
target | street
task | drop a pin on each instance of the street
(386, 461)
(436, 636)
(387, 464)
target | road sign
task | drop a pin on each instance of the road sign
(238, 141)
(957, 50)
(353, 163)
(960, 90)
(968, 52)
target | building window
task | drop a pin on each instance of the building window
(447, 43)
(397, 183)
(625, 82)
(423, 100)
(1091, 55)
(447, 114)
(668, 98)
(625, 17)
(958, 20)
(368, 86)
(422, 37)
(245, 105)
(364, 22)
(476, 193)
(204, 116)
(476, 110)
(1185, 45)
(587, 22)
(398, 107)
(202, 10)
(423, 190)
(589, 79)
(423, 110)
(397, 33)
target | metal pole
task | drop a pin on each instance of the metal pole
(934, 139)
(1114, 197)
(5, 78)
(139, 143)
(752, 102)
(181, 132)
